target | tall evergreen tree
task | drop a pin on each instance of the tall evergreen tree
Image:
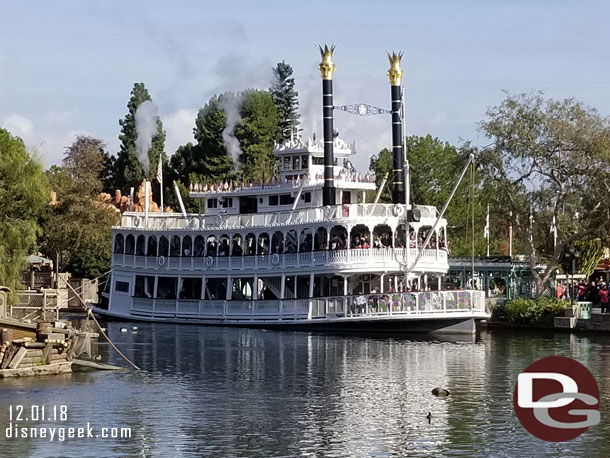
(210, 155)
(256, 134)
(128, 170)
(286, 101)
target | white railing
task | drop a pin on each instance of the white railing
(175, 221)
(429, 303)
(431, 259)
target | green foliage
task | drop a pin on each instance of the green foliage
(286, 101)
(256, 134)
(209, 155)
(534, 312)
(590, 253)
(550, 158)
(79, 227)
(435, 168)
(24, 193)
(128, 170)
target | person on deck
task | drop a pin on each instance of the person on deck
(603, 298)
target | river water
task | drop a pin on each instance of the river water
(229, 392)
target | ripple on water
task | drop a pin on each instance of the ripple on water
(206, 391)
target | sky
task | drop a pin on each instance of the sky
(67, 67)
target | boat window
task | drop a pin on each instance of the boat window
(129, 244)
(250, 246)
(121, 286)
(263, 244)
(305, 241)
(307, 197)
(199, 246)
(163, 246)
(236, 248)
(320, 239)
(140, 244)
(360, 237)
(187, 246)
(273, 200)
(317, 160)
(118, 244)
(287, 163)
(296, 162)
(269, 288)
(211, 246)
(277, 243)
(286, 199)
(174, 248)
(152, 245)
(212, 203)
(223, 247)
(302, 286)
(338, 238)
(304, 162)
(382, 236)
(190, 289)
(227, 202)
(166, 287)
(145, 286)
(291, 241)
(242, 289)
(215, 289)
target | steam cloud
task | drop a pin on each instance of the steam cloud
(146, 126)
(231, 104)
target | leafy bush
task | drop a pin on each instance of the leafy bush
(534, 312)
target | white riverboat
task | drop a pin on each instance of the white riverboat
(301, 251)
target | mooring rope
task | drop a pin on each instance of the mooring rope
(90, 314)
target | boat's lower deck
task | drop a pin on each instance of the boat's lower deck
(409, 311)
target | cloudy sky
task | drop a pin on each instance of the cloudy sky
(67, 67)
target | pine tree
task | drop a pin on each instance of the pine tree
(286, 101)
(256, 134)
(128, 170)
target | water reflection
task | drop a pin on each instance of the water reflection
(208, 391)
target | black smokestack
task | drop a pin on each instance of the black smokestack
(327, 67)
(398, 183)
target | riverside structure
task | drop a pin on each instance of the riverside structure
(302, 251)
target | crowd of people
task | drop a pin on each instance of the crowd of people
(595, 292)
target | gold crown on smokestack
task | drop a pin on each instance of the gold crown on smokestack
(395, 72)
(327, 67)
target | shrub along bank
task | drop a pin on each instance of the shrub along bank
(534, 312)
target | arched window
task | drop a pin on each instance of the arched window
(291, 241)
(360, 237)
(277, 243)
(118, 244)
(152, 245)
(199, 246)
(211, 246)
(174, 247)
(338, 238)
(187, 246)
(237, 248)
(319, 241)
(263, 244)
(305, 241)
(250, 244)
(163, 246)
(140, 245)
(223, 247)
(382, 236)
(130, 244)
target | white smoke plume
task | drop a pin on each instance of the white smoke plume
(231, 104)
(146, 118)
